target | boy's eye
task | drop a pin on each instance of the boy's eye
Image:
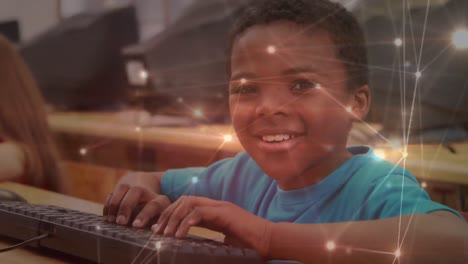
(243, 89)
(303, 85)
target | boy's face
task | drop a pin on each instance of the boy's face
(288, 99)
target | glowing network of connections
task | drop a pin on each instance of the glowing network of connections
(412, 53)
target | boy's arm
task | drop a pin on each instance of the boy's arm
(137, 197)
(438, 237)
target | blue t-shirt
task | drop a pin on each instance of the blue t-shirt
(363, 188)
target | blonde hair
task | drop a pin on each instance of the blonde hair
(23, 119)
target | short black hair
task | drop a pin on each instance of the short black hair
(342, 26)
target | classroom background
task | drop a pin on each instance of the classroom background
(141, 85)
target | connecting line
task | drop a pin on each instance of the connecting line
(404, 123)
(24, 243)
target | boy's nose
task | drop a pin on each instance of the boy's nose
(273, 104)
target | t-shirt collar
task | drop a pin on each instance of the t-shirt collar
(331, 182)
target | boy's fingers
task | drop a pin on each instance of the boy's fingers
(151, 210)
(193, 218)
(178, 214)
(115, 201)
(129, 204)
(170, 219)
(105, 210)
(164, 218)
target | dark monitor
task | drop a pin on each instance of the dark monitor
(186, 63)
(440, 96)
(78, 63)
(10, 29)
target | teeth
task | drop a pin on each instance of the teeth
(277, 138)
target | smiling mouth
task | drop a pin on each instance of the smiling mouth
(277, 138)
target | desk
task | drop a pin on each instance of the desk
(435, 163)
(108, 139)
(115, 140)
(39, 196)
(111, 143)
(98, 148)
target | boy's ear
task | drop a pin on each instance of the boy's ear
(360, 102)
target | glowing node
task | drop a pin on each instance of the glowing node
(194, 179)
(227, 138)
(380, 153)
(398, 42)
(418, 74)
(424, 185)
(348, 109)
(83, 151)
(137, 129)
(460, 39)
(348, 250)
(243, 81)
(98, 227)
(397, 253)
(198, 113)
(328, 148)
(271, 49)
(318, 86)
(180, 99)
(143, 74)
(330, 245)
(158, 245)
(404, 154)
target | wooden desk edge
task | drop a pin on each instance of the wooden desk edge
(39, 196)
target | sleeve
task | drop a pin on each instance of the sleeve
(178, 182)
(398, 194)
(213, 182)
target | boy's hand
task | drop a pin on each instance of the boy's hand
(236, 223)
(138, 202)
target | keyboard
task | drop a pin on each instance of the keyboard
(88, 237)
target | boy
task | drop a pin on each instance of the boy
(298, 80)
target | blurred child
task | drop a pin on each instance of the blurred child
(27, 151)
(299, 79)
